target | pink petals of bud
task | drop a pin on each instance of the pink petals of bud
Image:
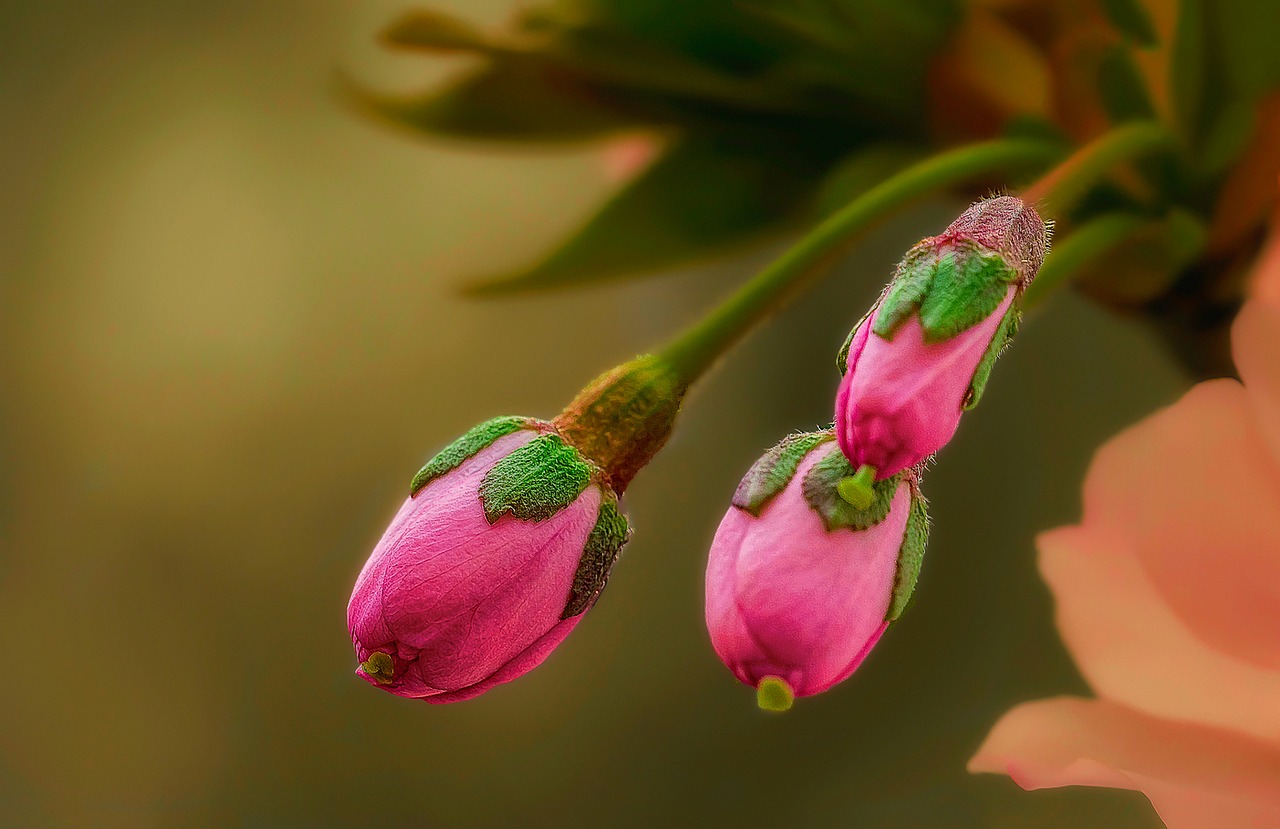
(922, 356)
(792, 606)
(481, 575)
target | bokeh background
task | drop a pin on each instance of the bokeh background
(229, 334)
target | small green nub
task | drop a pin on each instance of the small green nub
(774, 694)
(380, 667)
(856, 489)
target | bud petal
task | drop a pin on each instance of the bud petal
(799, 591)
(487, 566)
(924, 353)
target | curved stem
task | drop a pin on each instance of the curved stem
(692, 352)
(1085, 244)
(1064, 185)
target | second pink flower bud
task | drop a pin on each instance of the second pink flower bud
(922, 355)
(800, 583)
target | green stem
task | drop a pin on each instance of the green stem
(1063, 186)
(1085, 244)
(692, 352)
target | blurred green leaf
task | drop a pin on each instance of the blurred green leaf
(876, 51)
(1226, 137)
(1187, 68)
(713, 32)
(1246, 34)
(430, 29)
(1121, 87)
(1131, 19)
(1228, 46)
(705, 193)
(517, 98)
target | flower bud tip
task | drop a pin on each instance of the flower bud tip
(856, 489)
(774, 694)
(380, 667)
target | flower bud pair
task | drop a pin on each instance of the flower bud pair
(923, 354)
(800, 583)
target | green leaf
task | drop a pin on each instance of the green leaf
(604, 545)
(705, 194)
(773, 471)
(1122, 88)
(535, 481)
(1131, 19)
(1226, 137)
(1245, 44)
(433, 30)
(819, 489)
(514, 98)
(1004, 335)
(910, 555)
(1187, 68)
(477, 438)
(1227, 47)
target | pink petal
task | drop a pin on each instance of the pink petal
(1134, 649)
(901, 399)
(787, 598)
(1265, 280)
(1193, 491)
(1197, 777)
(1255, 341)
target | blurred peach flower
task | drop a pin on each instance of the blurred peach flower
(1168, 598)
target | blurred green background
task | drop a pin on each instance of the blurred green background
(229, 336)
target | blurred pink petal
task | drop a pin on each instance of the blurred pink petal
(1255, 339)
(1133, 648)
(1193, 490)
(1168, 597)
(1196, 777)
(1265, 281)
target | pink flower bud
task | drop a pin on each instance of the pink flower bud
(506, 541)
(800, 583)
(923, 354)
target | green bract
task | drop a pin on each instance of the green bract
(910, 556)
(535, 481)
(604, 545)
(464, 447)
(819, 488)
(953, 285)
(1004, 334)
(770, 475)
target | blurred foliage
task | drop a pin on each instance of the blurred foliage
(764, 106)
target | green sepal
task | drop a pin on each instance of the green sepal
(842, 356)
(820, 490)
(464, 447)
(773, 471)
(604, 545)
(535, 481)
(1003, 336)
(906, 291)
(953, 287)
(910, 555)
